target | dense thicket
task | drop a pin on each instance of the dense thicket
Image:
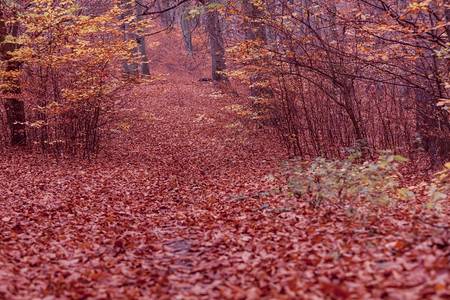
(367, 74)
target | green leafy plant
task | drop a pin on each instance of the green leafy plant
(439, 188)
(348, 182)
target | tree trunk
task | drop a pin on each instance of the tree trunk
(14, 107)
(184, 24)
(129, 69)
(349, 97)
(217, 46)
(142, 45)
(255, 31)
(167, 17)
(254, 28)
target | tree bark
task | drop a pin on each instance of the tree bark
(142, 45)
(255, 31)
(167, 17)
(254, 28)
(129, 69)
(185, 28)
(217, 46)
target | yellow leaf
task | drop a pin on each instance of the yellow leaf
(439, 287)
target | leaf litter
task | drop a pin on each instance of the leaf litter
(184, 206)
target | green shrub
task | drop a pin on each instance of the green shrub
(347, 182)
(439, 188)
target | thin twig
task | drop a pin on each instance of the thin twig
(432, 224)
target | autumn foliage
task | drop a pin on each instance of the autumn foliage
(279, 150)
(71, 71)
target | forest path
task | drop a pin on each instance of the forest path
(180, 207)
(157, 215)
(191, 137)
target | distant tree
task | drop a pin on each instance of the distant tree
(256, 37)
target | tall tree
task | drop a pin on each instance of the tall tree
(255, 35)
(185, 28)
(214, 29)
(129, 69)
(140, 38)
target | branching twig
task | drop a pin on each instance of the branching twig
(432, 224)
(147, 11)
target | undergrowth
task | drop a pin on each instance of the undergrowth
(360, 187)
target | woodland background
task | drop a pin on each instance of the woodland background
(224, 149)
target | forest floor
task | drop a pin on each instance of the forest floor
(181, 205)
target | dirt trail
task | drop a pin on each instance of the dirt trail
(180, 207)
(146, 218)
(186, 135)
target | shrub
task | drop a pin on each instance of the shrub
(439, 188)
(348, 182)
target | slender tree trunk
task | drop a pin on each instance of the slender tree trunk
(185, 28)
(130, 69)
(14, 107)
(217, 46)
(256, 31)
(254, 28)
(142, 45)
(167, 18)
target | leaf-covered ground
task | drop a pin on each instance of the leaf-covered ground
(180, 207)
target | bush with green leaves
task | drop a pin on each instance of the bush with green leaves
(346, 182)
(439, 188)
